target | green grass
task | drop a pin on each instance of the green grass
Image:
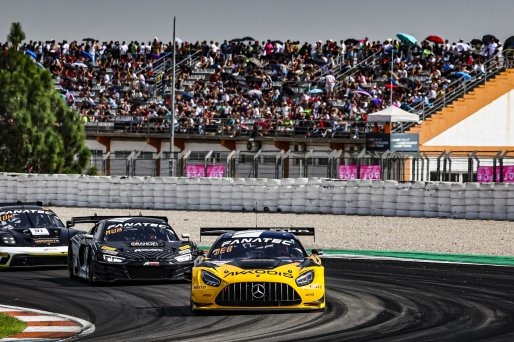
(10, 326)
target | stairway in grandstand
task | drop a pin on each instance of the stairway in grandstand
(465, 105)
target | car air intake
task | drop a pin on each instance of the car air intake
(258, 294)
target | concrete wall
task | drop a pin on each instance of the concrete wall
(386, 198)
(492, 125)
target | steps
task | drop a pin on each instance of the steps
(464, 107)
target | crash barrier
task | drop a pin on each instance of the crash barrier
(296, 195)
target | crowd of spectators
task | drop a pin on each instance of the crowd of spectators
(246, 86)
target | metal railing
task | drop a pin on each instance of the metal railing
(460, 87)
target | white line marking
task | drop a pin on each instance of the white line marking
(53, 329)
(40, 318)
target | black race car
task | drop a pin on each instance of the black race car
(129, 248)
(31, 235)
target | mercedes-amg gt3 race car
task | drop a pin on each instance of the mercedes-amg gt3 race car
(31, 235)
(258, 269)
(129, 248)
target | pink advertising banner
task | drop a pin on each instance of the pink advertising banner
(197, 171)
(347, 172)
(485, 174)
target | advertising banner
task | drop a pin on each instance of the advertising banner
(197, 171)
(348, 172)
(485, 174)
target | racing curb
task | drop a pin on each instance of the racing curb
(46, 326)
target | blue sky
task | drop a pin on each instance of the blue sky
(278, 19)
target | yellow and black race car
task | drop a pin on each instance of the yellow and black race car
(258, 269)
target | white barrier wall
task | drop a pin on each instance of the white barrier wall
(301, 195)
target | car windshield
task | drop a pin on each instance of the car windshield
(256, 248)
(29, 218)
(138, 231)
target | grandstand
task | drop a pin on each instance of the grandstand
(285, 108)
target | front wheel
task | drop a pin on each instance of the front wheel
(91, 270)
(71, 268)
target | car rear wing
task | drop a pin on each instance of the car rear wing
(217, 231)
(96, 219)
(37, 203)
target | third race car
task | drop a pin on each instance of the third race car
(258, 270)
(129, 248)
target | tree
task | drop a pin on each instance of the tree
(16, 35)
(39, 132)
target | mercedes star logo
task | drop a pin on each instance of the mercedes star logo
(258, 291)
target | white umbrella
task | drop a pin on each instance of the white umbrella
(393, 114)
(254, 92)
(79, 64)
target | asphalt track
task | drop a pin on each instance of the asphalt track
(367, 300)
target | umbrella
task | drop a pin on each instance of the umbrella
(89, 40)
(435, 39)
(247, 38)
(393, 114)
(30, 53)
(464, 75)
(188, 95)
(236, 40)
(509, 43)
(406, 39)
(69, 66)
(362, 92)
(315, 91)
(240, 58)
(79, 64)
(254, 92)
(476, 42)
(277, 41)
(351, 41)
(488, 38)
(287, 90)
(255, 62)
(87, 54)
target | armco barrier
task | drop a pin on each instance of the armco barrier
(299, 195)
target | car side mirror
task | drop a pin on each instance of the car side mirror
(186, 236)
(317, 252)
(69, 224)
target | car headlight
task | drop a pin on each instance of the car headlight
(185, 257)
(8, 239)
(210, 279)
(305, 279)
(112, 258)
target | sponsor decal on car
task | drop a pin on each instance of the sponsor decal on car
(184, 247)
(5, 217)
(285, 242)
(199, 287)
(144, 244)
(148, 250)
(185, 251)
(108, 248)
(46, 241)
(128, 225)
(287, 274)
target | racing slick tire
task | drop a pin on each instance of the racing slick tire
(91, 270)
(71, 271)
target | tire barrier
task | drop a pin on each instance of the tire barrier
(298, 195)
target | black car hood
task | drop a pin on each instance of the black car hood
(141, 246)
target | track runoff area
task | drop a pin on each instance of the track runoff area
(372, 296)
